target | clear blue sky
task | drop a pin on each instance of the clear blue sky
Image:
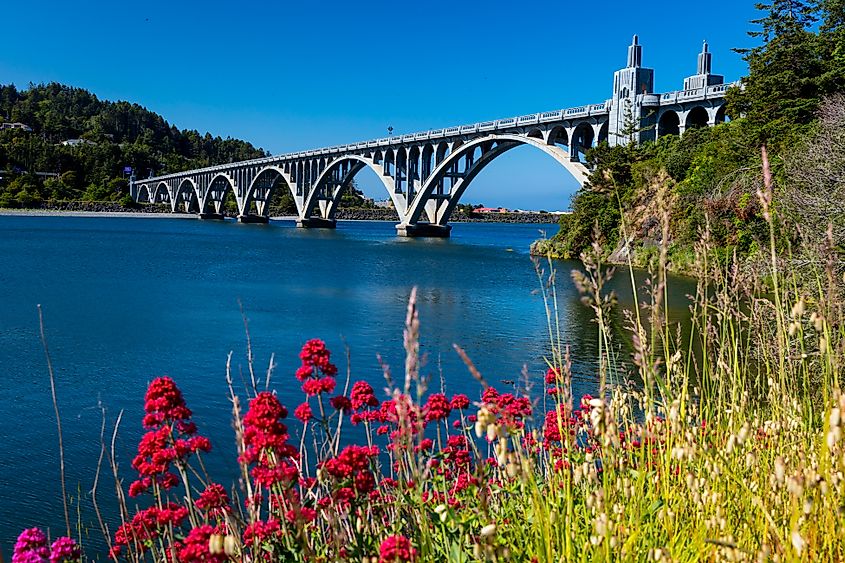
(288, 76)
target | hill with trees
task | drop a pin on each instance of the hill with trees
(707, 183)
(85, 145)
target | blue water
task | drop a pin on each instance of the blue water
(129, 299)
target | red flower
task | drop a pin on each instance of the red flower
(213, 499)
(313, 387)
(437, 408)
(552, 376)
(196, 549)
(341, 403)
(459, 402)
(396, 549)
(314, 353)
(165, 399)
(262, 531)
(362, 396)
(303, 412)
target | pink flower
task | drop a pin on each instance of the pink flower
(437, 408)
(31, 547)
(459, 402)
(362, 396)
(396, 549)
(303, 412)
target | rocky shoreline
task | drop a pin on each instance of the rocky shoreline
(348, 214)
(381, 214)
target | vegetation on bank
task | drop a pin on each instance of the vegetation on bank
(719, 441)
(88, 143)
(792, 103)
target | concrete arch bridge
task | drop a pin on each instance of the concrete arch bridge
(425, 174)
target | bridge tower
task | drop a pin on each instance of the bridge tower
(704, 77)
(630, 85)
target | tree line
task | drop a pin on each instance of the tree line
(114, 136)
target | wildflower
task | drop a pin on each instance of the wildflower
(213, 499)
(459, 402)
(30, 547)
(260, 531)
(65, 550)
(303, 412)
(196, 546)
(362, 396)
(396, 549)
(341, 403)
(437, 408)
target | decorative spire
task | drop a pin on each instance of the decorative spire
(635, 53)
(705, 60)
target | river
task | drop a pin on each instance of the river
(129, 299)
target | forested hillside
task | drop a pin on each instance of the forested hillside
(706, 183)
(114, 136)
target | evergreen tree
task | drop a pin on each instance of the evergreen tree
(786, 77)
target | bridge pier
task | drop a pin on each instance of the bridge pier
(260, 219)
(423, 230)
(316, 223)
(212, 216)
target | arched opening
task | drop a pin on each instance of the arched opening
(558, 136)
(143, 194)
(401, 171)
(413, 171)
(668, 124)
(436, 210)
(162, 195)
(270, 196)
(697, 117)
(582, 139)
(220, 197)
(338, 189)
(604, 132)
(441, 153)
(186, 200)
(535, 133)
(721, 116)
(427, 162)
(389, 163)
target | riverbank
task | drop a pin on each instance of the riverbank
(108, 208)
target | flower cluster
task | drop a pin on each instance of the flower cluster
(352, 472)
(396, 549)
(146, 526)
(266, 442)
(31, 547)
(363, 401)
(171, 438)
(316, 373)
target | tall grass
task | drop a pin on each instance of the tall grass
(721, 440)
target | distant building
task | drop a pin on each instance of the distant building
(491, 210)
(77, 142)
(21, 126)
(385, 203)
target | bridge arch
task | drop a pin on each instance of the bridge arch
(582, 139)
(215, 194)
(264, 186)
(161, 194)
(557, 135)
(491, 147)
(721, 115)
(323, 189)
(187, 196)
(143, 194)
(669, 123)
(696, 117)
